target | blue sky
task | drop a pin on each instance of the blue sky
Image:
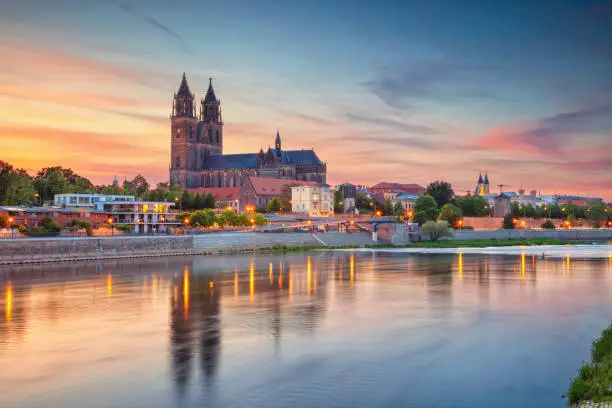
(397, 90)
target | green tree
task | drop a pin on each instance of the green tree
(451, 214)
(227, 218)
(209, 201)
(50, 225)
(203, 218)
(515, 210)
(260, 219)
(338, 207)
(426, 204)
(364, 203)
(398, 209)
(3, 221)
(508, 222)
(19, 189)
(471, 206)
(436, 230)
(141, 185)
(49, 183)
(112, 190)
(242, 220)
(198, 202)
(597, 214)
(387, 208)
(186, 200)
(441, 191)
(274, 205)
(420, 217)
(182, 216)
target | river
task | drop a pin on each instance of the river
(322, 329)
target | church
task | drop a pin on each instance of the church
(197, 158)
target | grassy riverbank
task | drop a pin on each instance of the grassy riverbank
(594, 380)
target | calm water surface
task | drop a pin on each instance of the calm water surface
(321, 330)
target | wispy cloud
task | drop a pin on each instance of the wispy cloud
(155, 24)
(391, 123)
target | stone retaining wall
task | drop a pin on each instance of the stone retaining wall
(572, 234)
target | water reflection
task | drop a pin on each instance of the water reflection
(230, 326)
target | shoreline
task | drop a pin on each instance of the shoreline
(79, 250)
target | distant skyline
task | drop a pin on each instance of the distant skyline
(406, 91)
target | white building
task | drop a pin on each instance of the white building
(316, 201)
(71, 200)
(142, 216)
(407, 201)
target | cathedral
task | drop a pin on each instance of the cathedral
(482, 188)
(197, 158)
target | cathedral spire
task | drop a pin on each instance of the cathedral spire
(183, 90)
(183, 104)
(210, 93)
(277, 143)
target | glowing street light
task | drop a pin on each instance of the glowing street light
(110, 222)
(378, 213)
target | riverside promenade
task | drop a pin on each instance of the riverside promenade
(39, 250)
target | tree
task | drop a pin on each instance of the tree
(203, 218)
(141, 185)
(420, 217)
(451, 214)
(508, 222)
(548, 224)
(471, 206)
(285, 195)
(436, 230)
(209, 201)
(186, 200)
(112, 189)
(242, 220)
(51, 182)
(198, 202)
(338, 207)
(227, 218)
(515, 210)
(363, 202)
(3, 221)
(19, 189)
(274, 205)
(441, 191)
(427, 205)
(259, 219)
(50, 225)
(398, 209)
(387, 208)
(597, 214)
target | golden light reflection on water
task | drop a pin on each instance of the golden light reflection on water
(9, 301)
(352, 268)
(271, 274)
(309, 276)
(186, 292)
(460, 264)
(109, 284)
(522, 266)
(236, 284)
(252, 281)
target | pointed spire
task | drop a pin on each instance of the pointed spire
(480, 179)
(183, 90)
(210, 93)
(486, 179)
(277, 143)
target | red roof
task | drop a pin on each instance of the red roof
(272, 187)
(220, 193)
(405, 188)
(579, 203)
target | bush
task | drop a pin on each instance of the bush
(77, 224)
(203, 218)
(436, 230)
(467, 227)
(259, 219)
(19, 227)
(548, 224)
(420, 217)
(124, 228)
(3, 221)
(508, 222)
(50, 225)
(451, 214)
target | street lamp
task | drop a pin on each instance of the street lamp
(460, 224)
(176, 200)
(36, 195)
(110, 222)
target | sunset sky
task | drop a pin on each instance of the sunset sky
(407, 91)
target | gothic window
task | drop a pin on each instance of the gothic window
(217, 136)
(235, 179)
(210, 135)
(178, 161)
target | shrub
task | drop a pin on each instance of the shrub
(124, 228)
(227, 217)
(203, 218)
(508, 222)
(436, 230)
(50, 225)
(19, 227)
(548, 224)
(259, 219)
(450, 213)
(3, 221)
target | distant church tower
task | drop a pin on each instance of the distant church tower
(482, 189)
(183, 132)
(211, 128)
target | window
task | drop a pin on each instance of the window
(210, 136)
(177, 161)
(217, 136)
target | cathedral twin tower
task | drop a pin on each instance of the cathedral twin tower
(197, 158)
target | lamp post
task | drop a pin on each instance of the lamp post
(176, 200)
(10, 224)
(110, 222)
(460, 224)
(37, 195)
(186, 222)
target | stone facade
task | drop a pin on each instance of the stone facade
(197, 159)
